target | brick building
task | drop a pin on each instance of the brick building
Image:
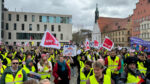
(141, 13)
(117, 29)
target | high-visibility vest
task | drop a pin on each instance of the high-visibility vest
(27, 70)
(84, 78)
(4, 55)
(112, 65)
(141, 67)
(108, 72)
(68, 62)
(81, 64)
(8, 61)
(106, 80)
(14, 54)
(2, 70)
(45, 75)
(133, 79)
(9, 79)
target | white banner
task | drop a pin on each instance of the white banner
(69, 50)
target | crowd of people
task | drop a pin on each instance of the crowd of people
(95, 66)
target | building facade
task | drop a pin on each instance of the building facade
(145, 30)
(22, 27)
(140, 14)
(117, 29)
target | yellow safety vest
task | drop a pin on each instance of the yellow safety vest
(45, 75)
(8, 61)
(9, 79)
(108, 72)
(14, 54)
(141, 67)
(27, 70)
(132, 79)
(83, 78)
(68, 62)
(2, 70)
(106, 80)
(112, 65)
(81, 64)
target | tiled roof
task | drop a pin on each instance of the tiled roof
(107, 24)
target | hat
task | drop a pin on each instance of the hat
(43, 55)
(131, 60)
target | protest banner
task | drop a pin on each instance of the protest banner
(69, 50)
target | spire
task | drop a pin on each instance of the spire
(96, 13)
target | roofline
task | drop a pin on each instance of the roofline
(39, 13)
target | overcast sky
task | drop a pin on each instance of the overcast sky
(82, 11)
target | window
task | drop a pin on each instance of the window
(122, 32)
(54, 35)
(47, 18)
(122, 39)
(33, 18)
(45, 27)
(61, 36)
(38, 27)
(9, 17)
(40, 18)
(25, 17)
(17, 17)
(38, 43)
(6, 42)
(15, 26)
(30, 27)
(22, 26)
(144, 26)
(147, 26)
(7, 26)
(14, 43)
(59, 28)
(22, 43)
(27, 36)
(52, 28)
(128, 32)
(9, 35)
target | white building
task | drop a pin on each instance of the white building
(96, 34)
(145, 30)
(20, 27)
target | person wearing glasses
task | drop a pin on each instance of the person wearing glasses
(14, 74)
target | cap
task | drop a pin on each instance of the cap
(131, 60)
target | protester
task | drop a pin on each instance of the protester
(31, 82)
(45, 81)
(99, 77)
(86, 72)
(61, 72)
(44, 67)
(132, 75)
(14, 74)
(113, 62)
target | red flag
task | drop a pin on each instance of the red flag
(87, 46)
(108, 44)
(31, 38)
(49, 40)
(96, 44)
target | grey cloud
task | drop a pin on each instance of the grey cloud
(82, 11)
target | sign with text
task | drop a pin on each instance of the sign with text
(108, 44)
(69, 50)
